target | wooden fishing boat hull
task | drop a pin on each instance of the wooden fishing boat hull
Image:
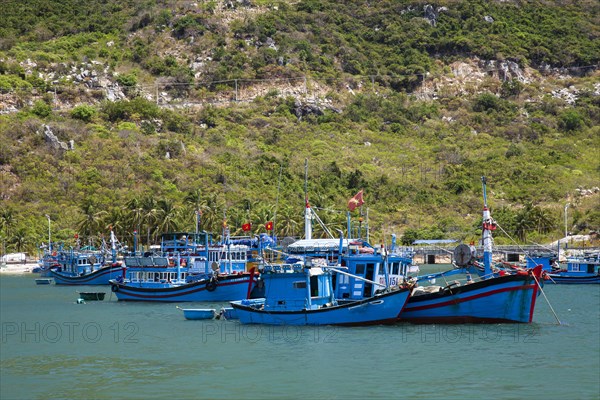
(100, 276)
(380, 309)
(227, 288)
(509, 298)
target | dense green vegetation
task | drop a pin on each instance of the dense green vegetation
(139, 166)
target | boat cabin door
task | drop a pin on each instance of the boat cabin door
(369, 274)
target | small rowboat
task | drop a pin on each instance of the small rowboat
(91, 296)
(199, 313)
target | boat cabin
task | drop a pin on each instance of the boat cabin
(546, 260)
(76, 264)
(372, 267)
(295, 287)
(586, 264)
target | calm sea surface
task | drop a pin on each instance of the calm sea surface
(52, 347)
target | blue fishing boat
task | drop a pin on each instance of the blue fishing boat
(187, 270)
(48, 259)
(85, 266)
(302, 294)
(582, 269)
(491, 298)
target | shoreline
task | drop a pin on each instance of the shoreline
(18, 269)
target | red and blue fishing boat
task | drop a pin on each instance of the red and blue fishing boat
(491, 298)
(187, 270)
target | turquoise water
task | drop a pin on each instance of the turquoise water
(52, 347)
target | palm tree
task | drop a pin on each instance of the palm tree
(235, 219)
(7, 221)
(91, 223)
(167, 216)
(194, 198)
(135, 214)
(20, 239)
(288, 221)
(505, 218)
(149, 214)
(211, 208)
(115, 221)
(192, 204)
(543, 218)
(524, 221)
(260, 215)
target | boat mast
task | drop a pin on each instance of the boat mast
(488, 226)
(113, 246)
(307, 210)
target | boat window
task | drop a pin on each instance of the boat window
(395, 268)
(300, 285)
(360, 269)
(575, 267)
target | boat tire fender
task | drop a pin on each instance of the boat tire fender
(211, 285)
(114, 288)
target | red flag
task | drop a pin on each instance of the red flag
(269, 225)
(246, 227)
(356, 201)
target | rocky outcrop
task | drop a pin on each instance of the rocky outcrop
(52, 140)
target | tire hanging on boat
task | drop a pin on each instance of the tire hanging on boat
(114, 288)
(211, 285)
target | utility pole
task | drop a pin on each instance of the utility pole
(49, 235)
(566, 230)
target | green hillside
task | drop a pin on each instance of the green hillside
(135, 114)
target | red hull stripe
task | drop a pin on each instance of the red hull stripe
(470, 298)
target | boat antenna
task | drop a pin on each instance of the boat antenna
(277, 198)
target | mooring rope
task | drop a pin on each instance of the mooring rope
(534, 277)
